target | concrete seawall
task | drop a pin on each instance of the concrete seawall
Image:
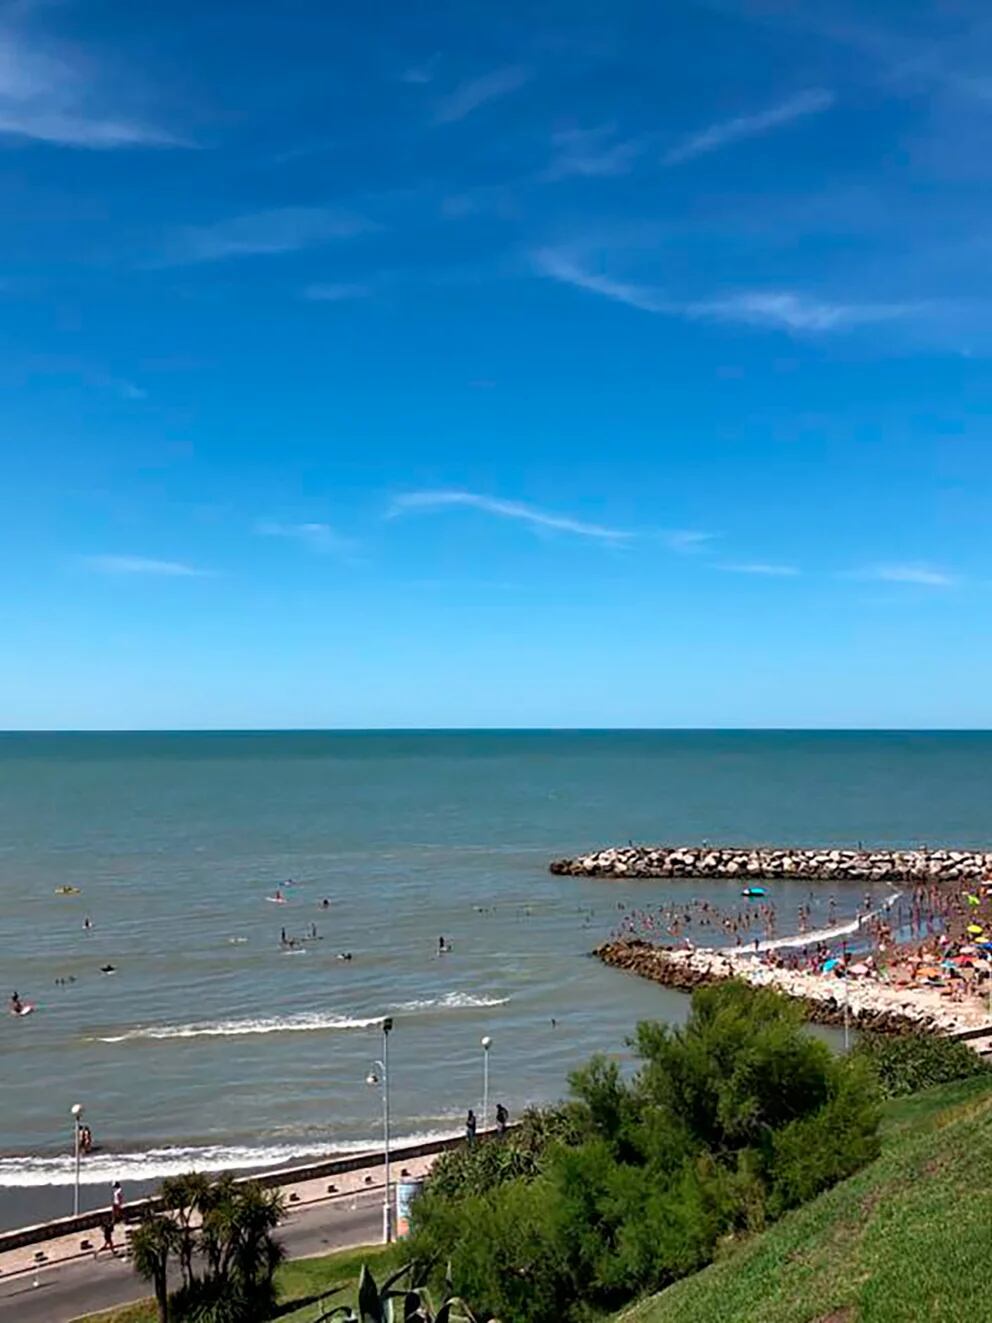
(754, 863)
(137, 1209)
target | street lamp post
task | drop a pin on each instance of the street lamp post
(383, 1079)
(76, 1111)
(487, 1043)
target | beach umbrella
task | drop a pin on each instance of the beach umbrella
(928, 971)
(830, 964)
(972, 898)
(859, 968)
(976, 928)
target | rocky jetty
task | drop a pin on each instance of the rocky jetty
(867, 1004)
(754, 863)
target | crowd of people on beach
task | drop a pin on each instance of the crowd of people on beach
(705, 922)
(937, 936)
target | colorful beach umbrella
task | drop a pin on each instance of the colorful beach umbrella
(975, 928)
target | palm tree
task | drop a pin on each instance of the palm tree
(185, 1196)
(242, 1224)
(152, 1245)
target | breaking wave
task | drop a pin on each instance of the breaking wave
(153, 1164)
(302, 1023)
(451, 1001)
(305, 1022)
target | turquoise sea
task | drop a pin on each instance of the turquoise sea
(211, 1044)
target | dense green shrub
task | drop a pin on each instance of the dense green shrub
(730, 1120)
(476, 1168)
(907, 1063)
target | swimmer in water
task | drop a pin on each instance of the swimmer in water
(325, 904)
(16, 1005)
(87, 925)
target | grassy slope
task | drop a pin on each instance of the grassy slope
(299, 1281)
(905, 1241)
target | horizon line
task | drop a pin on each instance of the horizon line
(494, 730)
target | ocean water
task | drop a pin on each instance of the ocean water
(212, 1045)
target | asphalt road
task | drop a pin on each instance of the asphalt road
(83, 1286)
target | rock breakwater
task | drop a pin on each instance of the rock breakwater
(753, 863)
(868, 1005)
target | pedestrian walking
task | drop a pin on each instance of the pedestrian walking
(108, 1236)
(470, 1126)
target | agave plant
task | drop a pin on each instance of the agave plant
(402, 1298)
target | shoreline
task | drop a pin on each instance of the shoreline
(865, 1004)
(759, 862)
(848, 928)
(309, 1178)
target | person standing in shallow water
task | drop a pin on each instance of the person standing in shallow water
(470, 1126)
(502, 1117)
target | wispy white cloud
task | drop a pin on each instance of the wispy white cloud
(560, 266)
(957, 64)
(423, 72)
(282, 230)
(54, 98)
(475, 92)
(728, 131)
(315, 536)
(591, 154)
(777, 309)
(762, 568)
(336, 293)
(926, 576)
(127, 390)
(142, 565)
(516, 510)
(796, 312)
(687, 541)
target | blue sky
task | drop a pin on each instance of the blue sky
(476, 364)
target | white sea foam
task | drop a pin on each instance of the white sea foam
(155, 1163)
(305, 1022)
(451, 1001)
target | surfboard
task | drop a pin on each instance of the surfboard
(26, 1009)
(276, 900)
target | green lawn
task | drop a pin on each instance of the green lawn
(300, 1281)
(907, 1240)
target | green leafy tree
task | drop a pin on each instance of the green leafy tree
(907, 1063)
(730, 1120)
